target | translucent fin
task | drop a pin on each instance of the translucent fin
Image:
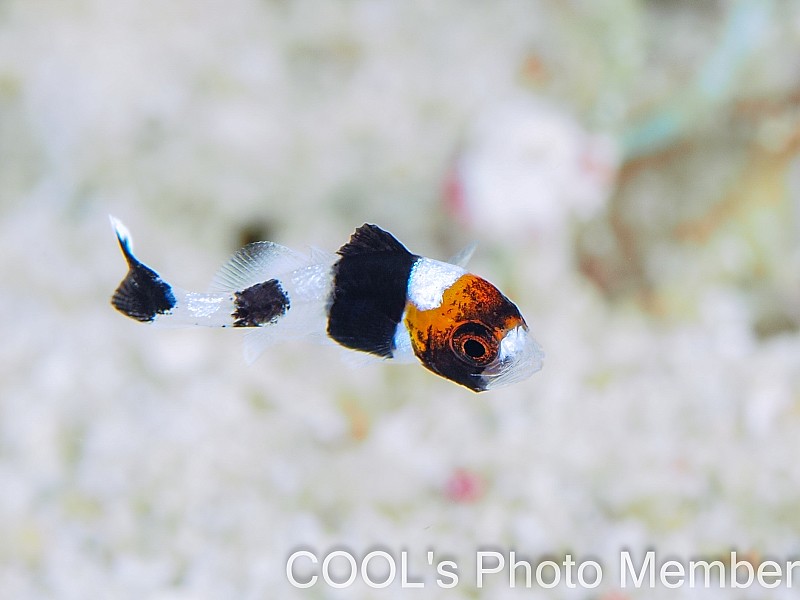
(255, 342)
(254, 264)
(354, 359)
(320, 256)
(464, 255)
(258, 340)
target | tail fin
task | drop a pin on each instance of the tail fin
(142, 295)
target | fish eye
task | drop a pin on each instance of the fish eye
(474, 349)
(474, 344)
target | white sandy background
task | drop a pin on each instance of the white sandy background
(629, 170)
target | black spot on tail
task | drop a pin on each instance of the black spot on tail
(260, 304)
(143, 295)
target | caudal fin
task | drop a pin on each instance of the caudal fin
(142, 295)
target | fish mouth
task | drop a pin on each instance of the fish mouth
(520, 356)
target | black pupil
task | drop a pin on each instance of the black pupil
(474, 349)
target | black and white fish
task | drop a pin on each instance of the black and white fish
(373, 296)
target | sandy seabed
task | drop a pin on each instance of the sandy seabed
(630, 172)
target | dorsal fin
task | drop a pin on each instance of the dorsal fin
(256, 263)
(371, 238)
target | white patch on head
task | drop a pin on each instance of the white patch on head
(429, 280)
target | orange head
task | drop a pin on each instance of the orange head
(475, 337)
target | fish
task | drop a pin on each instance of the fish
(373, 296)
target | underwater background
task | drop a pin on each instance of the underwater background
(631, 173)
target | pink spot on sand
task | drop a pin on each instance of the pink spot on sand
(463, 486)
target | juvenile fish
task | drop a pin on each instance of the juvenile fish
(373, 296)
